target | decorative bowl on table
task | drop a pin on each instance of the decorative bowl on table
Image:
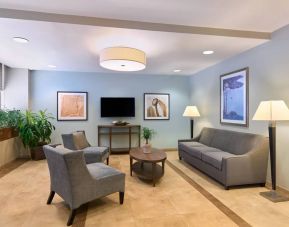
(120, 123)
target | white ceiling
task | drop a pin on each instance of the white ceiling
(75, 47)
(256, 15)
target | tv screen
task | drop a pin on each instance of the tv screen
(117, 107)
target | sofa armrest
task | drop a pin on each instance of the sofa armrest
(185, 140)
(247, 168)
(196, 139)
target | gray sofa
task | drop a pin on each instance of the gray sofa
(231, 158)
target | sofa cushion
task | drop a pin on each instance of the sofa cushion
(197, 152)
(183, 145)
(215, 158)
(207, 136)
(80, 141)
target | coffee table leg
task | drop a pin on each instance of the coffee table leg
(154, 174)
(163, 166)
(130, 161)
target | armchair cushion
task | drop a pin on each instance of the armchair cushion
(95, 154)
(100, 170)
(68, 141)
(80, 141)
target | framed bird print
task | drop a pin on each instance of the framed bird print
(156, 106)
(234, 98)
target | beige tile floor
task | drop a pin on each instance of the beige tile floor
(246, 201)
(173, 202)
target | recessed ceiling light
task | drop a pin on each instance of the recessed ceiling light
(177, 70)
(20, 40)
(51, 66)
(207, 52)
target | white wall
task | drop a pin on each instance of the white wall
(44, 87)
(268, 79)
(16, 93)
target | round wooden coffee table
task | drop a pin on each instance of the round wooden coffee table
(146, 166)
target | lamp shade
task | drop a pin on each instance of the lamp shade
(122, 59)
(272, 111)
(191, 111)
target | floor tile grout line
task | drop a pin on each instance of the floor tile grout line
(222, 207)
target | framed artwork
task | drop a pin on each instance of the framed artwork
(71, 106)
(156, 106)
(234, 96)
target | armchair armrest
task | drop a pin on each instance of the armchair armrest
(54, 145)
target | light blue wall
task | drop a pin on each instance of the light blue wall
(268, 79)
(45, 84)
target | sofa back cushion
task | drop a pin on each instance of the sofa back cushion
(207, 135)
(237, 143)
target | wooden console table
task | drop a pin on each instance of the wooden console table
(113, 130)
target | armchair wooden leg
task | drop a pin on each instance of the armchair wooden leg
(50, 198)
(71, 217)
(107, 161)
(121, 197)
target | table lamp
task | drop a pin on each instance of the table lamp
(191, 111)
(272, 111)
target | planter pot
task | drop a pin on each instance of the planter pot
(8, 133)
(37, 153)
(147, 148)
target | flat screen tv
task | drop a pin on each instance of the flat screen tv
(117, 107)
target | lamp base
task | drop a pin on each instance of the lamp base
(274, 196)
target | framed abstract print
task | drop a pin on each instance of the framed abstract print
(72, 106)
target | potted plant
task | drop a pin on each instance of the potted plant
(8, 123)
(35, 130)
(147, 134)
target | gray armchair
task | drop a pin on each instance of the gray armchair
(78, 183)
(77, 141)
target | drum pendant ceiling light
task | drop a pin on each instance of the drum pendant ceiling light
(122, 59)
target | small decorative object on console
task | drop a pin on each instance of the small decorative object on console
(120, 123)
